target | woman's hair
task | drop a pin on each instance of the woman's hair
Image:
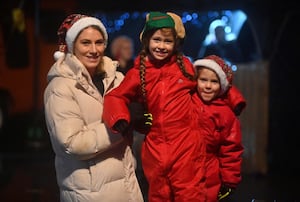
(100, 68)
(145, 51)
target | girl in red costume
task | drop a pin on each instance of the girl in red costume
(173, 152)
(220, 126)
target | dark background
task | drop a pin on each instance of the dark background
(276, 23)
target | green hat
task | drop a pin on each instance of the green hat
(157, 20)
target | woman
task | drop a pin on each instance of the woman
(92, 164)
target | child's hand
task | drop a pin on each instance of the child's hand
(224, 192)
(144, 123)
(140, 120)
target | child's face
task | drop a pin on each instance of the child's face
(208, 84)
(161, 44)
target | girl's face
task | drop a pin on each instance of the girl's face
(208, 84)
(161, 44)
(89, 47)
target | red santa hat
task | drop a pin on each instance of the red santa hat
(70, 28)
(220, 67)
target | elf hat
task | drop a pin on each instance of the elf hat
(157, 20)
(220, 67)
(179, 27)
(70, 28)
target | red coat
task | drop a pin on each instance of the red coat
(173, 153)
(224, 148)
(235, 100)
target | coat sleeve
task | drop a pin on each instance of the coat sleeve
(116, 102)
(235, 100)
(230, 153)
(69, 134)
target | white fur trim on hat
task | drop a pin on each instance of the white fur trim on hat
(58, 54)
(80, 25)
(211, 64)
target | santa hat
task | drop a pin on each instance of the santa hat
(70, 28)
(157, 20)
(220, 67)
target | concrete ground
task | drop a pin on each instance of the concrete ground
(29, 176)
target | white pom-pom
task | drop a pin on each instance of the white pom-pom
(58, 54)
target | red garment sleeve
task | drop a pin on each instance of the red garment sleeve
(230, 153)
(235, 100)
(116, 101)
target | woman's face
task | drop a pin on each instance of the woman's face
(89, 47)
(161, 44)
(208, 84)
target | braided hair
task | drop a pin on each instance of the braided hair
(145, 51)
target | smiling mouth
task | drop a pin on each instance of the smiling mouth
(161, 53)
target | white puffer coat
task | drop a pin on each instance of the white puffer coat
(92, 164)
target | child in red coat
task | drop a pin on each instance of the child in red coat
(219, 125)
(162, 79)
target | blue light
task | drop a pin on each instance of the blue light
(234, 68)
(119, 23)
(188, 17)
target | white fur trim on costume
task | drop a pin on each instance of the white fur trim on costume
(80, 25)
(211, 64)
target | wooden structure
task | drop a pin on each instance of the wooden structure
(253, 81)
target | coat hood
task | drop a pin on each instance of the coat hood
(70, 67)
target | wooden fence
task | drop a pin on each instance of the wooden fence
(253, 81)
